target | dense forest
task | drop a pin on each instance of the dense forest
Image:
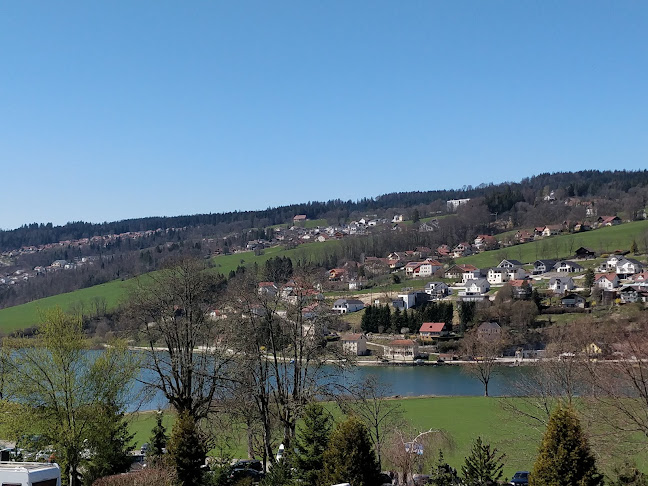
(499, 198)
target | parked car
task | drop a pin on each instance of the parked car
(248, 464)
(520, 478)
(246, 472)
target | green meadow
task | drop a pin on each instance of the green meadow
(27, 315)
(462, 418)
(603, 240)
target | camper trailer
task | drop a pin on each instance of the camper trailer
(29, 474)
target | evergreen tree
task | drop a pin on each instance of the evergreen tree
(484, 466)
(280, 474)
(565, 458)
(187, 450)
(158, 440)
(589, 279)
(634, 248)
(311, 442)
(350, 457)
(110, 443)
(442, 473)
(628, 475)
(466, 312)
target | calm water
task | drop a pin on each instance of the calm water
(412, 381)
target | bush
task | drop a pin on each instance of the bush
(160, 476)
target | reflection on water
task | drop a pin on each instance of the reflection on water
(412, 381)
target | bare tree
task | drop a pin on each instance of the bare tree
(184, 352)
(280, 339)
(411, 451)
(483, 351)
(368, 401)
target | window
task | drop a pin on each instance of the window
(46, 482)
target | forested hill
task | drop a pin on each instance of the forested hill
(499, 198)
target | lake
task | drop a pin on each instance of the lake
(413, 381)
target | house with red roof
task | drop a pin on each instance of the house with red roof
(433, 329)
(606, 281)
(401, 350)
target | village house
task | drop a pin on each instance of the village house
(475, 290)
(346, 306)
(398, 218)
(628, 266)
(585, 253)
(456, 271)
(606, 281)
(497, 276)
(437, 290)
(523, 236)
(552, 230)
(629, 294)
(609, 220)
(433, 329)
(510, 264)
(336, 274)
(355, 344)
(522, 289)
(402, 350)
(568, 267)
(573, 300)
(489, 331)
(268, 288)
(300, 218)
(560, 285)
(543, 266)
(474, 274)
(485, 242)
(422, 269)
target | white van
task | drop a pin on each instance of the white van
(29, 474)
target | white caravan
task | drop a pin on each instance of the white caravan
(29, 474)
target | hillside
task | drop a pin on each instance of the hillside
(602, 240)
(26, 315)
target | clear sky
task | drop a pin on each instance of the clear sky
(120, 109)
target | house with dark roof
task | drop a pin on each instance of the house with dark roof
(346, 306)
(355, 344)
(543, 266)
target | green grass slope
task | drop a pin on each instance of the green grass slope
(601, 240)
(27, 315)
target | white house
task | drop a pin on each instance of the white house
(568, 267)
(628, 266)
(401, 349)
(345, 306)
(606, 281)
(355, 344)
(473, 274)
(497, 276)
(475, 289)
(560, 285)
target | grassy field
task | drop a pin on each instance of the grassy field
(463, 418)
(563, 246)
(27, 315)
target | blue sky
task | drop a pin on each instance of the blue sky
(122, 109)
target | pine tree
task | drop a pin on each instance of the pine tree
(350, 457)
(589, 279)
(110, 443)
(442, 473)
(634, 248)
(158, 440)
(187, 450)
(484, 466)
(565, 458)
(311, 443)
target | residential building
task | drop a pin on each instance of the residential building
(606, 281)
(355, 344)
(433, 329)
(560, 285)
(489, 331)
(568, 267)
(543, 266)
(402, 349)
(346, 306)
(573, 300)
